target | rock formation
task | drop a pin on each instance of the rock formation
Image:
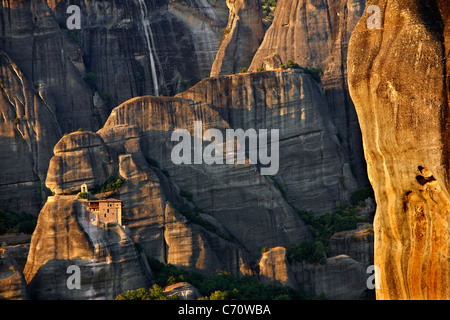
(12, 282)
(28, 132)
(107, 259)
(358, 244)
(229, 193)
(340, 278)
(80, 156)
(398, 79)
(274, 268)
(313, 170)
(241, 37)
(315, 34)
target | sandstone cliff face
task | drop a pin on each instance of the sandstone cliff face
(340, 278)
(242, 37)
(398, 79)
(80, 156)
(316, 34)
(229, 193)
(12, 282)
(108, 261)
(28, 132)
(149, 198)
(313, 169)
(70, 79)
(358, 244)
(132, 47)
(137, 135)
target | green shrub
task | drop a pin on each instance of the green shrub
(113, 184)
(83, 195)
(17, 222)
(155, 293)
(361, 195)
(91, 79)
(311, 251)
(243, 70)
(216, 295)
(222, 285)
(186, 194)
(292, 65)
(345, 217)
(106, 97)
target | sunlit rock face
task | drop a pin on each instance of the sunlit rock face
(12, 282)
(398, 79)
(242, 37)
(107, 260)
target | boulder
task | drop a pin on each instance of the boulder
(184, 290)
(340, 278)
(274, 268)
(12, 282)
(314, 173)
(358, 244)
(241, 37)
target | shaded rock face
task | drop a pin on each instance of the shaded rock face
(358, 244)
(79, 156)
(12, 282)
(340, 278)
(316, 34)
(242, 37)
(234, 195)
(28, 132)
(398, 79)
(313, 169)
(107, 259)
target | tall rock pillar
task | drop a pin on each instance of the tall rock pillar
(398, 80)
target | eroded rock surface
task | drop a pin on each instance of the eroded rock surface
(398, 79)
(108, 261)
(12, 282)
